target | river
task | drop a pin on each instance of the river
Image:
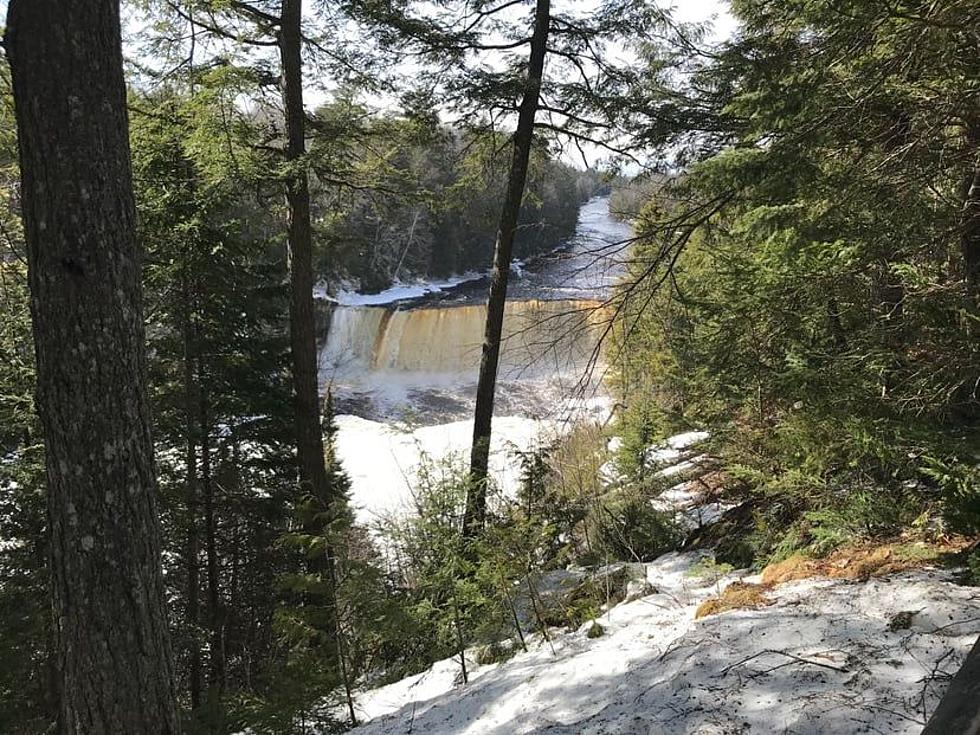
(402, 365)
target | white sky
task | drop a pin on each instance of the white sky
(716, 12)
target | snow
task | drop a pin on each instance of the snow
(675, 449)
(397, 292)
(688, 502)
(687, 439)
(821, 659)
(686, 467)
(383, 461)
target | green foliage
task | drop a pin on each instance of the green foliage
(587, 523)
(973, 566)
(862, 513)
(397, 199)
(959, 484)
(448, 604)
(707, 568)
(802, 290)
(26, 703)
(624, 525)
(216, 310)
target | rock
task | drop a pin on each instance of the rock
(637, 588)
(901, 620)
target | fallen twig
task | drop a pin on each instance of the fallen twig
(797, 659)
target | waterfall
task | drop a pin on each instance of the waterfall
(540, 338)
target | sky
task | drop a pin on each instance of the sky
(716, 12)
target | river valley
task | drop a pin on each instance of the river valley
(402, 365)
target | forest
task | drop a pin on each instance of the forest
(489, 367)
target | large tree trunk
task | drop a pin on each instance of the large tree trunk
(114, 658)
(309, 437)
(476, 500)
(959, 710)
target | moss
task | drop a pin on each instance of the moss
(595, 630)
(495, 652)
(708, 568)
(901, 620)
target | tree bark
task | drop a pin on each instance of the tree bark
(309, 437)
(190, 459)
(959, 710)
(970, 231)
(476, 499)
(302, 323)
(114, 662)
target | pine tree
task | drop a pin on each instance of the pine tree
(218, 367)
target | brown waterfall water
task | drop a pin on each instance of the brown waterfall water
(540, 337)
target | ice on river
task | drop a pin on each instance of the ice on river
(383, 460)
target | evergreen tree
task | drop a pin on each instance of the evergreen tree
(27, 698)
(219, 370)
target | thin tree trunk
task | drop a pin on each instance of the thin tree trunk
(959, 710)
(190, 458)
(460, 639)
(340, 644)
(309, 436)
(114, 664)
(216, 682)
(476, 501)
(970, 230)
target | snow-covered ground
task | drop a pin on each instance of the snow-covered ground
(826, 657)
(822, 659)
(397, 292)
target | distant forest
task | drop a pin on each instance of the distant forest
(433, 201)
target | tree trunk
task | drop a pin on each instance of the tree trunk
(476, 500)
(216, 678)
(114, 661)
(309, 437)
(970, 231)
(190, 458)
(309, 434)
(959, 710)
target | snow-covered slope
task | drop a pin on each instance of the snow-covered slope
(826, 657)
(822, 659)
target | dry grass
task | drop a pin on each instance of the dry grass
(737, 596)
(855, 562)
(862, 561)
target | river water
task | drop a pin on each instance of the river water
(402, 367)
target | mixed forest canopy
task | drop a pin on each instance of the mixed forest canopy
(180, 177)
